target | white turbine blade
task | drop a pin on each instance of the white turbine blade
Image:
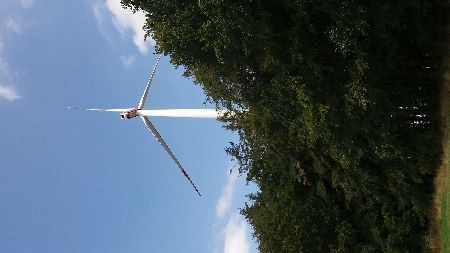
(100, 110)
(144, 96)
(163, 143)
(183, 113)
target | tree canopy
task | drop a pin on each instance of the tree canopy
(340, 129)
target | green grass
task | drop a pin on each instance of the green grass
(444, 222)
(443, 177)
(444, 226)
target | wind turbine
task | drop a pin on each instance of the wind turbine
(189, 113)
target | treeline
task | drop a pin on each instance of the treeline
(341, 123)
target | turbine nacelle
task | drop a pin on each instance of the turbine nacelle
(129, 114)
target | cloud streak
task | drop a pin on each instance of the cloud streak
(234, 235)
(125, 19)
(8, 93)
(13, 25)
(99, 10)
(127, 60)
(26, 3)
(224, 203)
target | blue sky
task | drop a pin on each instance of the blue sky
(82, 181)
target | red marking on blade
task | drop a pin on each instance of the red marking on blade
(186, 175)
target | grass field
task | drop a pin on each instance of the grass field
(444, 226)
(440, 223)
(444, 221)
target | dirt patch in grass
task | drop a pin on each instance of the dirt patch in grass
(440, 226)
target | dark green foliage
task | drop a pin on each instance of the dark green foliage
(340, 129)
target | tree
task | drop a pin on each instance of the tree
(340, 129)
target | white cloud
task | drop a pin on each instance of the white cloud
(13, 25)
(26, 3)
(7, 74)
(98, 13)
(236, 236)
(8, 93)
(127, 60)
(224, 203)
(125, 19)
(98, 9)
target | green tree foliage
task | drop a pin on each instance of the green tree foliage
(340, 129)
